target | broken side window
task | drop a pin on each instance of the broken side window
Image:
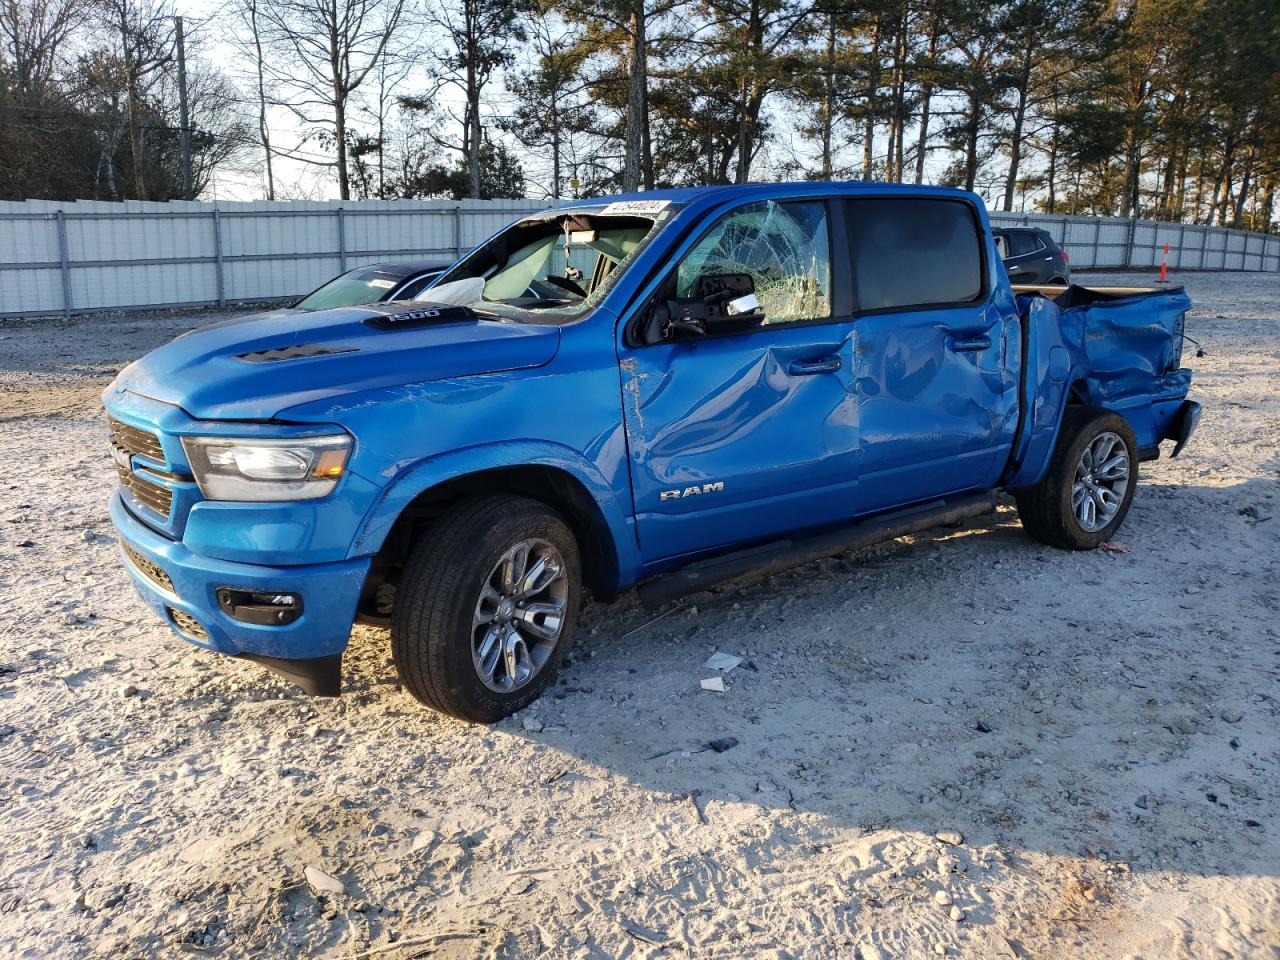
(783, 246)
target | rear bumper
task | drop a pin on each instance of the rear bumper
(1183, 425)
(312, 645)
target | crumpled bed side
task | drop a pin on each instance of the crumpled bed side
(1128, 346)
(1121, 352)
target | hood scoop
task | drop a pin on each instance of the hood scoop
(262, 365)
(424, 317)
(295, 352)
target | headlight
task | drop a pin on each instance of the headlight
(230, 468)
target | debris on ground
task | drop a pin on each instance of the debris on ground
(321, 882)
(721, 661)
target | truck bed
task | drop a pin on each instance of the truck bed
(1053, 291)
(1119, 348)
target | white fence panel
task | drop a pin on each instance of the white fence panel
(87, 255)
(1114, 242)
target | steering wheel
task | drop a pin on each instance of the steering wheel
(565, 283)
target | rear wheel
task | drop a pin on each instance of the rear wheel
(1090, 483)
(1058, 282)
(486, 608)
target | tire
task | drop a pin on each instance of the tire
(450, 617)
(1058, 282)
(1048, 510)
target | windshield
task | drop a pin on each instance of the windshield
(351, 289)
(552, 268)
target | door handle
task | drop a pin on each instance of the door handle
(807, 368)
(970, 343)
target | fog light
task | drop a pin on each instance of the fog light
(265, 607)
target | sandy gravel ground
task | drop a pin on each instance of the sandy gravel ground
(1078, 752)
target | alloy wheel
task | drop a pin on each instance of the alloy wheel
(519, 615)
(1101, 481)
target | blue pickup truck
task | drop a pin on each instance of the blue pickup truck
(670, 390)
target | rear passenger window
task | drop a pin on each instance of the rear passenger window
(910, 252)
(1024, 242)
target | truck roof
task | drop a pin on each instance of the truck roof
(683, 195)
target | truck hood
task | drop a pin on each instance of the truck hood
(255, 367)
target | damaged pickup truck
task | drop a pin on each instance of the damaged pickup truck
(667, 390)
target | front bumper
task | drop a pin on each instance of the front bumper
(180, 586)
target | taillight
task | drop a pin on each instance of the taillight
(1065, 258)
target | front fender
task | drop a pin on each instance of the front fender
(420, 476)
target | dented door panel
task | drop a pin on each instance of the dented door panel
(740, 437)
(937, 402)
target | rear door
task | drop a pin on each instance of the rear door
(740, 436)
(937, 408)
(1026, 258)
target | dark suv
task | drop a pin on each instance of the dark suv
(1031, 256)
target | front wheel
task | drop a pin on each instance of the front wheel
(486, 608)
(1086, 492)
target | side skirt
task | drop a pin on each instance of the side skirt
(772, 557)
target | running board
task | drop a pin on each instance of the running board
(779, 555)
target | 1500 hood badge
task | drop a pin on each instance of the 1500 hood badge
(426, 316)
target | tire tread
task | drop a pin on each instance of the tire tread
(437, 578)
(1040, 506)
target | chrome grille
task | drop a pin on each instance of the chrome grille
(148, 569)
(187, 624)
(158, 498)
(132, 441)
(127, 442)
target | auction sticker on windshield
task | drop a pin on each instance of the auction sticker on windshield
(634, 206)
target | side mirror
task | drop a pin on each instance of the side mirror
(745, 304)
(722, 287)
(732, 305)
(726, 303)
(676, 320)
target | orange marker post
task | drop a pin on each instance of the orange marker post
(1164, 265)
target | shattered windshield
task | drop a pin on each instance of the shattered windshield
(553, 267)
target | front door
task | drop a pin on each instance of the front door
(742, 436)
